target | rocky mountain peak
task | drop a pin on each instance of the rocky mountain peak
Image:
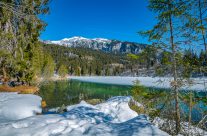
(106, 45)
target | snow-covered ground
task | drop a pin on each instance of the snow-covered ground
(169, 125)
(15, 106)
(111, 118)
(158, 82)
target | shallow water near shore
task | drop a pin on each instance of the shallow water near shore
(68, 92)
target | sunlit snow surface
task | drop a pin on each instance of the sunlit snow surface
(199, 84)
(111, 118)
(15, 106)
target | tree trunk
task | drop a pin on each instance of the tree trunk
(190, 110)
(175, 75)
(4, 74)
(201, 23)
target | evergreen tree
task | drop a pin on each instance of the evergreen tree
(202, 18)
(197, 21)
(38, 61)
(83, 70)
(168, 33)
(20, 28)
(78, 71)
(98, 70)
(49, 66)
(90, 70)
(5, 63)
(107, 71)
(62, 71)
(203, 58)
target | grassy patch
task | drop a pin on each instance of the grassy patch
(19, 89)
(94, 101)
(134, 107)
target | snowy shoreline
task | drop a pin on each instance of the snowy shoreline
(111, 118)
(157, 82)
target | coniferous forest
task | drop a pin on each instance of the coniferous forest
(151, 62)
(24, 58)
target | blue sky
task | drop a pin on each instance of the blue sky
(112, 19)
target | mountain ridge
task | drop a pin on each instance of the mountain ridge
(106, 45)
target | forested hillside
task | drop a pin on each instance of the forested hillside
(84, 61)
(152, 61)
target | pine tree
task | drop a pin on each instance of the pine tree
(5, 63)
(83, 70)
(62, 71)
(49, 66)
(198, 22)
(38, 61)
(78, 71)
(20, 27)
(202, 9)
(168, 34)
(107, 71)
(203, 58)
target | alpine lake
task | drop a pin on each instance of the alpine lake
(70, 92)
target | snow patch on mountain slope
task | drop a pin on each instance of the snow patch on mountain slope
(102, 40)
(69, 41)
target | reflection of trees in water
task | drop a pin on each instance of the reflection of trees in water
(72, 92)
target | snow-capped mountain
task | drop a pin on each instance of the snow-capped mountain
(102, 44)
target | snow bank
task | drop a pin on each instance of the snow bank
(169, 125)
(118, 108)
(158, 82)
(112, 118)
(15, 106)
